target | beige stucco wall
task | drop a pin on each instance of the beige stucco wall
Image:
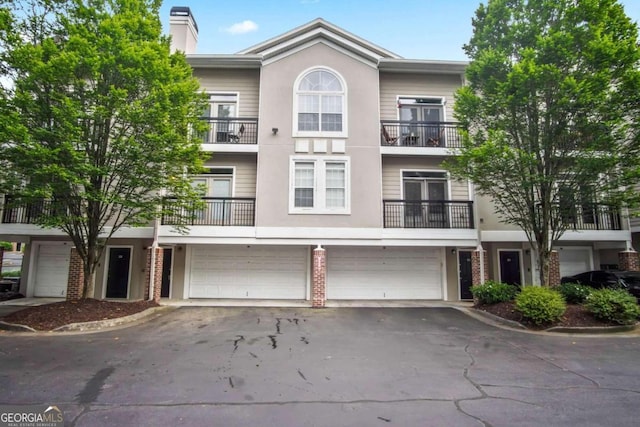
(362, 143)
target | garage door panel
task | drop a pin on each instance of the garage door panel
(574, 261)
(377, 273)
(248, 272)
(52, 270)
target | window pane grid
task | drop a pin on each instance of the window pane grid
(304, 184)
(320, 102)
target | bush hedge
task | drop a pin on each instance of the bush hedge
(540, 305)
(491, 292)
(574, 293)
(615, 305)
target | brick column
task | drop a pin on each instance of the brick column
(628, 260)
(76, 276)
(554, 269)
(476, 271)
(319, 278)
(157, 280)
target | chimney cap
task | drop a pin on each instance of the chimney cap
(183, 11)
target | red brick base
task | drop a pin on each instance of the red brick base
(554, 269)
(157, 279)
(319, 278)
(628, 260)
(476, 271)
(75, 280)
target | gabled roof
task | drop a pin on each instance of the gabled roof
(318, 30)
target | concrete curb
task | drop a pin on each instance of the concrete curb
(92, 326)
(14, 327)
(497, 320)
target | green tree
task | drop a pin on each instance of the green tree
(96, 117)
(552, 107)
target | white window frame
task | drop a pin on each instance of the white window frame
(329, 134)
(319, 185)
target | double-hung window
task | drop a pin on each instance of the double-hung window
(320, 102)
(319, 185)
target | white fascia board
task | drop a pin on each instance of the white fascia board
(34, 230)
(308, 39)
(450, 235)
(422, 66)
(229, 148)
(224, 61)
(568, 236)
(203, 231)
(418, 151)
(319, 23)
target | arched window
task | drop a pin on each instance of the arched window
(320, 97)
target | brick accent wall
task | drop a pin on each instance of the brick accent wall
(554, 269)
(157, 282)
(319, 278)
(76, 276)
(629, 260)
(476, 277)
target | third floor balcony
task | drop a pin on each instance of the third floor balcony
(231, 130)
(398, 133)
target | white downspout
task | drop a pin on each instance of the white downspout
(152, 267)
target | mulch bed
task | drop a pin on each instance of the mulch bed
(50, 316)
(575, 316)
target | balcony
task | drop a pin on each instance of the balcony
(420, 134)
(589, 216)
(17, 211)
(428, 214)
(231, 130)
(217, 211)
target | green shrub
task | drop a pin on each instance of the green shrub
(540, 305)
(12, 273)
(574, 293)
(493, 292)
(6, 245)
(615, 305)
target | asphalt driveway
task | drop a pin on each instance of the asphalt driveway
(333, 367)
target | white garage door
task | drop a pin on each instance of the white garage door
(574, 261)
(52, 270)
(377, 273)
(248, 272)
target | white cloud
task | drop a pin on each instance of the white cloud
(241, 28)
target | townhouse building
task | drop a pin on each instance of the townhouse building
(324, 182)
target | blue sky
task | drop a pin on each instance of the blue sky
(415, 29)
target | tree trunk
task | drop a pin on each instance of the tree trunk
(543, 266)
(89, 266)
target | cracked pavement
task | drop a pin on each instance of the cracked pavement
(210, 366)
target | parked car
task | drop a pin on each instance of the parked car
(614, 279)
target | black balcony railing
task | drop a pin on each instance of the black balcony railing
(420, 134)
(222, 211)
(228, 130)
(588, 216)
(18, 211)
(428, 214)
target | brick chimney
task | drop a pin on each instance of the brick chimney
(183, 30)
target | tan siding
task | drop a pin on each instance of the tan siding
(392, 168)
(393, 84)
(245, 172)
(244, 82)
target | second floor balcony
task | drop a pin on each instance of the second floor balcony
(214, 211)
(588, 216)
(230, 130)
(427, 214)
(420, 134)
